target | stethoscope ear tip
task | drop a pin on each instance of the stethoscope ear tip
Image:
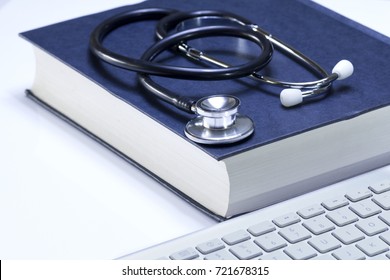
(290, 97)
(344, 69)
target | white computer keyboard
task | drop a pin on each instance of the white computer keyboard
(347, 220)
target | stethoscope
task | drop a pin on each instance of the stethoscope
(218, 120)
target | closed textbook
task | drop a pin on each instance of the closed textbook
(293, 150)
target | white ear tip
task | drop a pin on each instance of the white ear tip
(291, 97)
(344, 69)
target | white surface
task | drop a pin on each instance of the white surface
(62, 195)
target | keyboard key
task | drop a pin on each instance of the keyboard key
(359, 194)
(348, 253)
(261, 228)
(311, 211)
(236, 237)
(335, 203)
(372, 246)
(385, 217)
(186, 254)
(220, 255)
(295, 233)
(300, 251)
(385, 237)
(365, 208)
(325, 257)
(371, 226)
(210, 246)
(324, 243)
(380, 187)
(342, 216)
(318, 225)
(388, 255)
(246, 250)
(286, 220)
(270, 242)
(379, 257)
(383, 200)
(348, 234)
(277, 255)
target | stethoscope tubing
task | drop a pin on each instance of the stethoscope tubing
(152, 68)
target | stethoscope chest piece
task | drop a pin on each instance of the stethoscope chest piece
(218, 121)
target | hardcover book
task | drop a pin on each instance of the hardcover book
(292, 151)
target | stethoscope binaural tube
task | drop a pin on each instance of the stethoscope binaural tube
(295, 91)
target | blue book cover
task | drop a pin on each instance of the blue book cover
(320, 34)
(317, 32)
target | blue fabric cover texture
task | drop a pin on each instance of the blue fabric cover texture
(317, 32)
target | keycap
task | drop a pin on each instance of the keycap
(311, 211)
(186, 254)
(286, 220)
(210, 246)
(383, 200)
(348, 234)
(318, 225)
(335, 203)
(261, 228)
(246, 250)
(380, 187)
(365, 208)
(379, 257)
(372, 246)
(220, 255)
(348, 253)
(385, 217)
(342, 216)
(277, 255)
(236, 237)
(300, 251)
(270, 241)
(323, 257)
(371, 226)
(388, 255)
(295, 233)
(325, 243)
(385, 237)
(358, 194)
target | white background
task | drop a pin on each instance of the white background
(62, 195)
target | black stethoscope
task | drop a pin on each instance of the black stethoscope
(217, 121)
